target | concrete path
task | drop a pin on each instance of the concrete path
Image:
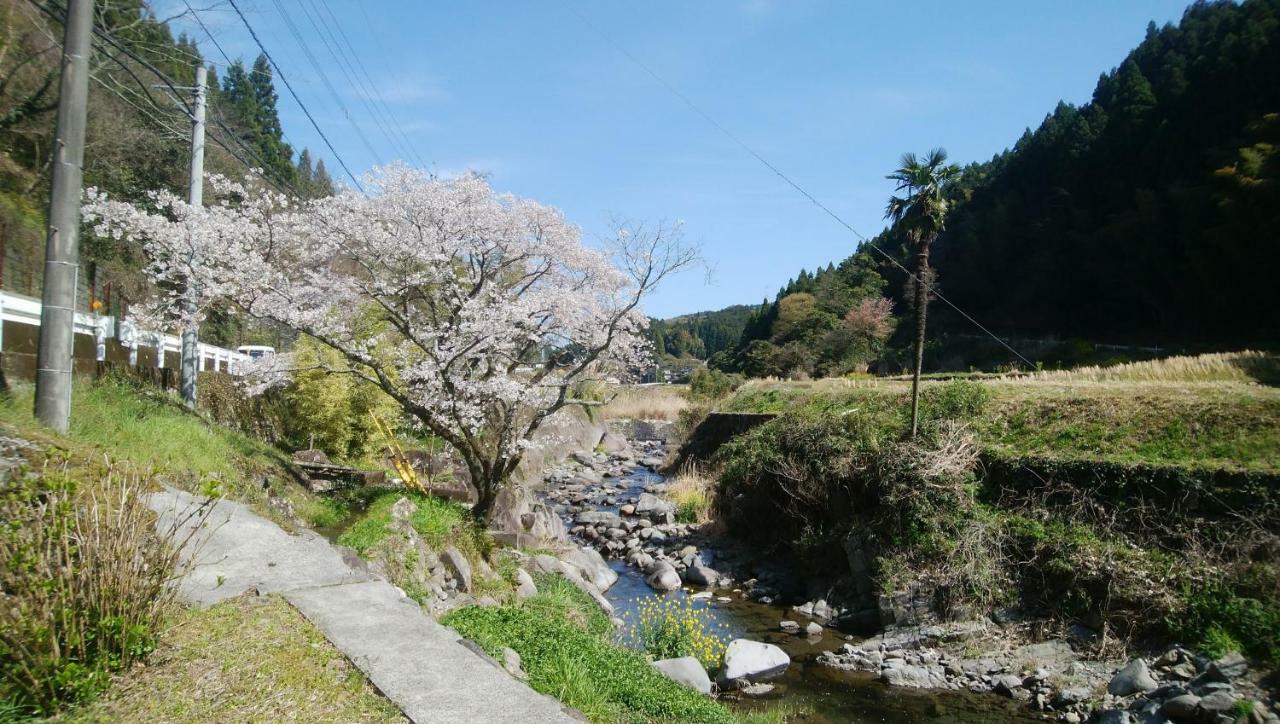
(420, 665)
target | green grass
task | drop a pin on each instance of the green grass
(130, 422)
(440, 523)
(1229, 425)
(246, 659)
(564, 643)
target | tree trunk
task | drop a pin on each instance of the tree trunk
(922, 302)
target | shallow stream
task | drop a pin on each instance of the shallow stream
(807, 691)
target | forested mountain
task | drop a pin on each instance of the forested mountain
(699, 335)
(138, 137)
(1150, 215)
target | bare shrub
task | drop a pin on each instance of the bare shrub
(937, 532)
(84, 583)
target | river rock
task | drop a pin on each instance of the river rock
(700, 575)
(525, 587)
(613, 443)
(916, 677)
(663, 577)
(1114, 716)
(686, 671)
(1231, 666)
(1134, 678)
(403, 509)
(600, 517)
(747, 661)
(1007, 684)
(790, 627)
(1182, 708)
(1219, 702)
(459, 566)
(652, 507)
(592, 565)
(511, 662)
(813, 629)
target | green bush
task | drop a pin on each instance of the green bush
(711, 384)
(803, 470)
(1234, 612)
(954, 400)
(669, 628)
(579, 664)
(330, 409)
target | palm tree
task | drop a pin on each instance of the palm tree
(921, 211)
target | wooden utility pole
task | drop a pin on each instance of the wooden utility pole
(62, 250)
(190, 367)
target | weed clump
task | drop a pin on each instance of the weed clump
(672, 628)
(84, 584)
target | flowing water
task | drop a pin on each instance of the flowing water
(807, 691)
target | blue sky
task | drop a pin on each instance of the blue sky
(831, 92)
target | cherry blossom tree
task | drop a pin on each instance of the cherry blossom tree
(478, 312)
(188, 248)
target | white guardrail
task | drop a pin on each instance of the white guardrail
(26, 310)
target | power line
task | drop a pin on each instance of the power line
(369, 86)
(213, 39)
(106, 37)
(294, 93)
(345, 64)
(324, 78)
(778, 172)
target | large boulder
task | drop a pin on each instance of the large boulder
(655, 508)
(686, 671)
(700, 575)
(1134, 678)
(519, 520)
(525, 587)
(592, 565)
(1182, 708)
(663, 577)
(747, 661)
(1231, 666)
(613, 443)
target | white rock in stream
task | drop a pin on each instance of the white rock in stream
(592, 565)
(663, 577)
(747, 661)
(686, 671)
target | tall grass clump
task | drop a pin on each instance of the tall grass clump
(84, 584)
(1248, 366)
(650, 402)
(693, 493)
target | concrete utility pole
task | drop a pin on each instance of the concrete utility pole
(62, 250)
(190, 344)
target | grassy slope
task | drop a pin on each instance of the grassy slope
(152, 431)
(564, 642)
(1227, 424)
(142, 428)
(246, 659)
